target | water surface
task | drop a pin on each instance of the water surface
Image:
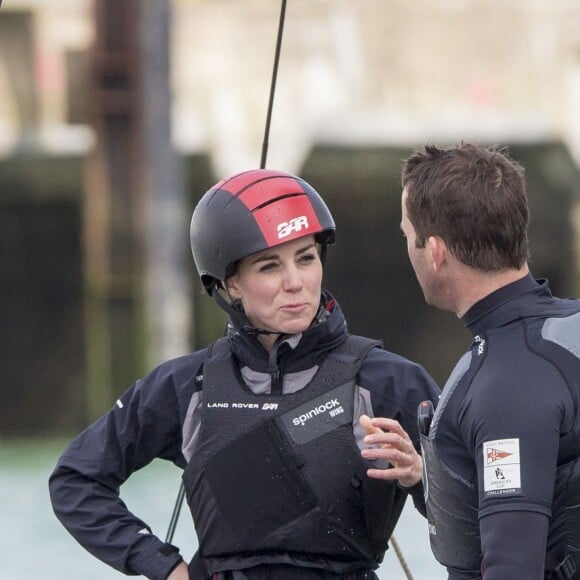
(35, 545)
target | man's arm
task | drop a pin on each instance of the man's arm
(514, 545)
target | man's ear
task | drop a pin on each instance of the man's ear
(437, 249)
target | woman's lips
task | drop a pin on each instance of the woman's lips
(295, 307)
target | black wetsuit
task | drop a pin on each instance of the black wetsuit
(502, 474)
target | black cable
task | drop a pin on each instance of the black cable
(175, 514)
(181, 492)
(273, 84)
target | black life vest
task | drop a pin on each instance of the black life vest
(452, 502)
(280, 479)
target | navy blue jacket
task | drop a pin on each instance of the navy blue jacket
(158, 417)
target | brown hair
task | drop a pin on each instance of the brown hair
(474, 198)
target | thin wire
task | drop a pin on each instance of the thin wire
(401, 558)
(273, 84)
(175, 514)
(181, 493)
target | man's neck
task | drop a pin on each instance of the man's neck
(473, 285)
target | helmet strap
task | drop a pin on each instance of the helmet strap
(323, 248)
(237, 317)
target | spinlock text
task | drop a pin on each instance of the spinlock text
(328, 406)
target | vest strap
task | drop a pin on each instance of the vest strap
(566, 569)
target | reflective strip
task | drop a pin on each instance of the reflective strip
(460, 369)
(564, 332)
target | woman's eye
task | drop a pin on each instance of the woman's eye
(268, 266)
(307, 258)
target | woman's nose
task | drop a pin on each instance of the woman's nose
(292, 279)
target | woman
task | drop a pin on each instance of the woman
(265, 421)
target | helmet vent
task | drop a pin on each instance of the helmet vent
(275, 199)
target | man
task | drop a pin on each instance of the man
(502, 454)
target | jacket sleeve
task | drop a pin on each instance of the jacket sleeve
(418, 494)
(511, 424)
(145, 423)
(397, 386)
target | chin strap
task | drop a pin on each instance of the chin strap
(240, 322)
(237, 317)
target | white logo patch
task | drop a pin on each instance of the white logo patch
(284, 229)
(501, 467)
(234, 405)
(333, 406)
(480, 344)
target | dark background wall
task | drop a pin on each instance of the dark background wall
(41, 259)
(41, 296)
(369, 272)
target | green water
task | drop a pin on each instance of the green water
(35, 545)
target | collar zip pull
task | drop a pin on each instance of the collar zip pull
(274, 370)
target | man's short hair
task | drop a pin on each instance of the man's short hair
(474, 198)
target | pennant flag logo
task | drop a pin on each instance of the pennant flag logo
(496, 454)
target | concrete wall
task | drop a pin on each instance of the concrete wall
(359, 84)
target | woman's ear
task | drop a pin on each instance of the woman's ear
(233, 288)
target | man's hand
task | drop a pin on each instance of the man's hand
(179, 572)
(393, 444)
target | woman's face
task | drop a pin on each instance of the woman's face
(280, 287)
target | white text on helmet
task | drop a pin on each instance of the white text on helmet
(294, 225)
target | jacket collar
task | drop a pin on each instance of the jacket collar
(296, 352)
(506, 304)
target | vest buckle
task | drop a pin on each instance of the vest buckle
(566, 569)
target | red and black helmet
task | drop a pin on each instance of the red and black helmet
(250, 212)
